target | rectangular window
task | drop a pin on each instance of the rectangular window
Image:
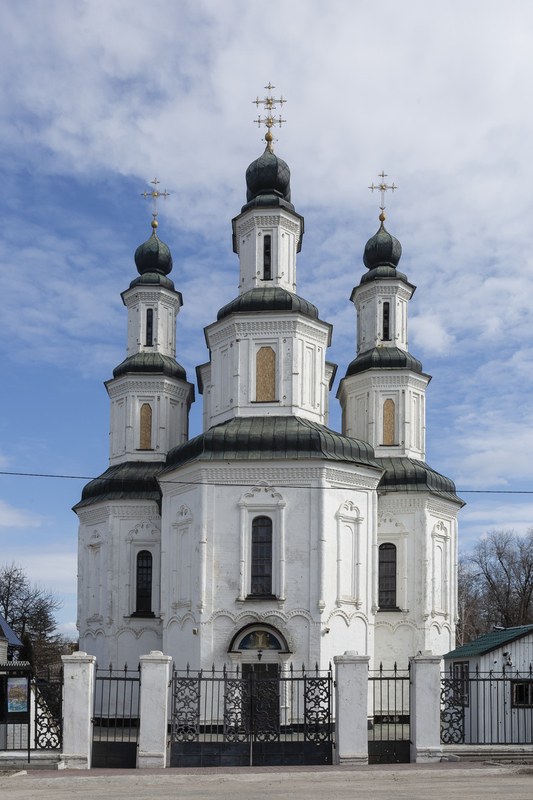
(267, 257)
(522, 694)
(261, 557)
(387, 576)
(386, 321)
(149, 327)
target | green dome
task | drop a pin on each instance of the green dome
(153, 256)
(384, 358)
(269, 299)
(132, 480)
(263, 438)
(151, 362)
(382, 250)
(402, 474)
(268, 182)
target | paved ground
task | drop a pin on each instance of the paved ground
(410, 782)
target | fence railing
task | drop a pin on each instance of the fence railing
(116, 704)
(237, 705)
(494, 707)
(30, 708)
(389, 714)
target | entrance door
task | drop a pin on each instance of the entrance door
(261, 701)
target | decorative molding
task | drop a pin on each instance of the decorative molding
(126, 385)
(267, 221)
(145, 532)
(109, 511)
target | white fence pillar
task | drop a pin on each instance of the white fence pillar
(156, 673)
(425, 708)
(351, 708)
(78, 699)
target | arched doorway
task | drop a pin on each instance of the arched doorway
(258, 653)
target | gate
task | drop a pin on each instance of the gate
(116, 717)
(258, 716)
(30, 709)
(389, 723)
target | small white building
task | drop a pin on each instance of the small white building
(489, 688)
(269, 535)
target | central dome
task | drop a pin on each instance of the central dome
(268, 175)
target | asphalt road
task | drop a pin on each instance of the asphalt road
(409, 782)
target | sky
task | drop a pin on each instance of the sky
(98, 97)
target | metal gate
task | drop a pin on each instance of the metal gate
(116, 717)
(260, 715)
(30, 708)
(389, 722)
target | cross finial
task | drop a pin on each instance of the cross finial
(382, 187)
(269, 120)
(155, 194)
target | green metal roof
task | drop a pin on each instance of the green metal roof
(263, 438)
(384, 358)
(402, 474)
(490, 641)
(151, 362)
(269, 298)
(132, 480)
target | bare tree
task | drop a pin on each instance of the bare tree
(29, 609)
(496, 584)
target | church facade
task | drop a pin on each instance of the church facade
(268, 536)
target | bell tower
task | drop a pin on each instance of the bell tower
(383, 394)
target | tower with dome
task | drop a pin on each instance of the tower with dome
(269, 535)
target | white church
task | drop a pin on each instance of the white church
(269, 536)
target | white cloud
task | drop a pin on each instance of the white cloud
(11, 517)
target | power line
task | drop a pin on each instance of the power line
(224, 483)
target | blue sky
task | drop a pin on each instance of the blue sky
(97, 98)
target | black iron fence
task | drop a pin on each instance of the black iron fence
(30, 708)
(116, 717)
(494, 707)
(255, 714)
(389, 716)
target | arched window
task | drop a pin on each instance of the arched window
(389, 413)
(143, 584)
(261, 557)
(149, 327)
(267, 257)
(265, 375)
(145, 437)
(386, 322)
(387, 576)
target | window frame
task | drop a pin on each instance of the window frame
(261, 563)
(382, 548)
(148, 591)
(262, 501)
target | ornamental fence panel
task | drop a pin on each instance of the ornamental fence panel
(255, 714)
(494, 707)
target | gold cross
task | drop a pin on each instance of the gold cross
(269, 120)
(382, 187)
(155, 194)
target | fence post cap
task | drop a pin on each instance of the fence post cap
(351, 657)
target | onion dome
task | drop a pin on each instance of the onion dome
(153, 256)
(382, 249)
(268, 181)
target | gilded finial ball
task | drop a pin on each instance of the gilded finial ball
(154, 223)
(268, 136)
(382, 217)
